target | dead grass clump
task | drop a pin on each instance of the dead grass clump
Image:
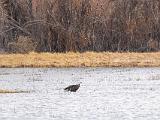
(13, 91)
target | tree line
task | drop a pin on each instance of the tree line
(79, 25)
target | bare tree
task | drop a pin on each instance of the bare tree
(81, 25)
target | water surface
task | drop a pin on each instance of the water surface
(105, 94)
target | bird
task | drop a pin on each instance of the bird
(72, 88)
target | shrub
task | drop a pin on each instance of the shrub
(23, 44)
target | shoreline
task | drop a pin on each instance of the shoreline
(86, 59)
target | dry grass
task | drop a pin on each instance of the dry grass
(87, 59)
(12, 91)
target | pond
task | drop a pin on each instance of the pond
(105, 94)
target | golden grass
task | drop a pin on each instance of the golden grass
(12, 91)
(87, 59)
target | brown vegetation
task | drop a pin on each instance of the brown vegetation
(12, 91)
(153, 45)
(81, 25)
(88, 59)
(22, 45)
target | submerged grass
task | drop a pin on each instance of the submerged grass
(12, 91)
(87, 59)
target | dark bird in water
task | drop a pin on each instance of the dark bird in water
(72, 88)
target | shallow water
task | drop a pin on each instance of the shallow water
(105, 94)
